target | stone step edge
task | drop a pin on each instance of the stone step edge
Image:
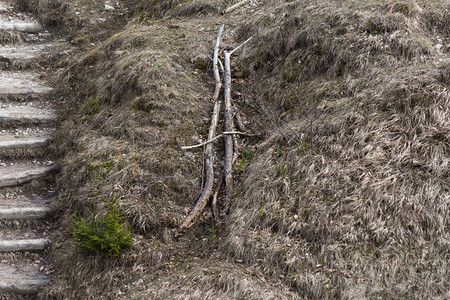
(22, 286)
(23, 245)
(26, 176)
(14, 143)
(27, 213)
(16, 91)
(27, 118)
(21, 27)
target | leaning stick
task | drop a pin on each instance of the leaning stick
(238, 47)
(228, 166)
(215, 67)
(234, 7)
(209, 156)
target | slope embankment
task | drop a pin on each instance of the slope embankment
(346, 194)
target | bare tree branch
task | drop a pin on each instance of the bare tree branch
(228, 165)
(238, 47)
(209, 155)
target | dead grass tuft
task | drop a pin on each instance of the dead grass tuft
(50, 12)
(206, 279)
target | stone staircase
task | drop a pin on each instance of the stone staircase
(27, 120)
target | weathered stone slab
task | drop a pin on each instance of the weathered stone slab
(19, 174)
(25, 113)
(23, 52)
(20, 83)
(14, 142)
(21, 278)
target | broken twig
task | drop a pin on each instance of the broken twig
(216, 138)
(238, 47)
(234, 7)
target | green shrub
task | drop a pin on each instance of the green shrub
(105, 234)
(244, 159)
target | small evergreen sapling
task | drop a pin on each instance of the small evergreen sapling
(105, 234)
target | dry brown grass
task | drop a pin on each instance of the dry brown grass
(50, 12)
(357, 206)
(348, 196)
(132, 102)
(213, 279)
(131, 120)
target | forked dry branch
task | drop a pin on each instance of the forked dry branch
(209, 155)
(230, 135)
(228, 165)
(230, 140)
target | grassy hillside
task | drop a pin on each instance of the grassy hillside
(347, 195)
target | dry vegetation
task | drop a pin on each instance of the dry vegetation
(348, 194)
(349, 197)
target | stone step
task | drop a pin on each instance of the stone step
(33, 137)
(29, 142)
(23, 245)
(21, 278)
(23, 52)
(21, 27)
(20, 207)
(24, 113)
(22, 83)
(31, 212)
(19, 22)
(3, 8)
(20, 173)
(12, 142)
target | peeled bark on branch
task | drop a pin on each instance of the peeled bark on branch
(215, 65)
(214, 201)
(209, 155)
(228, 166)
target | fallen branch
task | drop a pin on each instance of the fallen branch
(215, 67)
(228, 165)
(238, 47)
(216, 138)
(214, 201)
(230, 141)
(234, 7)
(209, 156)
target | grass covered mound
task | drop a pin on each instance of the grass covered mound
(136, 101)
(349, 196)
